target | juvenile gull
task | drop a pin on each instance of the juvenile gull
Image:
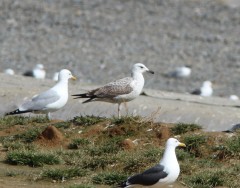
(50, 100)
(164, 173)
(181, 72)
(205, 91)
(38, 72)
(119, 91)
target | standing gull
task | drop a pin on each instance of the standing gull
(50, 100)
(205, 91)
(119, 91)
(38, 72)
(164, 173)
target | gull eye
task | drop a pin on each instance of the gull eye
(141, 67)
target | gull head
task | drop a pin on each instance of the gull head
(207, 84)
(173, 142)
(65, 74)
(39, 66)
(139, 67)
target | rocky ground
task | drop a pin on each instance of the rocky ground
(99, 40)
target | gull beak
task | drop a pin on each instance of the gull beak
(181, 144)
(73, 78)
(150, 71)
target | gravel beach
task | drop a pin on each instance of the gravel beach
(99, 40)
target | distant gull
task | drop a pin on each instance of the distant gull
(50, 100)
(205, 91)
(164, 173)
(38, 72)
(234, 128)
(181, 72)
(234, 97)
(119, 91)
(9, 71)
(55, 76)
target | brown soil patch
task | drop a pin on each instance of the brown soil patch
(127, 144)
(50, 137)
(12, 130)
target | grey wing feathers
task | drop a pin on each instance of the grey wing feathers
(40, 101)
(148, 177)
(118, 87)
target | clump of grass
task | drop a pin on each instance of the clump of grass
(82, 186)
(9, 121)
(205, 179)
(31, 158)
(87, 120)
(78, 142)
(194, 142)
(109, 178)
(18, 146)
(30, 135)
(64, 174)
(125, 120)
(97, 162)
(64, 125)
(182, 128)
(231, 148)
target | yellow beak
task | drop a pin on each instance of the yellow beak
(181, 144)
(73, 78)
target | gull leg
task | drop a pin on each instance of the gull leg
(48, 115)
(126, 107)
(119, 109)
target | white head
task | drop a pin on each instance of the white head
(65, 74)
(173, 142)
(39, 66)
(140, 68)
(207, 84)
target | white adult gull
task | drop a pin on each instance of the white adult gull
(181, 72)
(164, 173)
(205, 91)
(38, 72)
(119, 91)
(9, 71)
(50, 100)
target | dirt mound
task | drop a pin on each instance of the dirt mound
(51, 136)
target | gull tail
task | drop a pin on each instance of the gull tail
(84, 95)
(16, 112)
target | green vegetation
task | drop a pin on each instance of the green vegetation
(31, 158)
(87, 120)
(105, 151)
(109, 178)
(182, 128)
(63, 174)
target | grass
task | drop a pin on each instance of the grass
(109, 178)
(64, 174)
(93, 154)
(182, 128)
(87, 120)
(78, 143)
(31, 158)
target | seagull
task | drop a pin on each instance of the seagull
(234, 128)
(205, 91)
(38, 72)
(119, 91)
(164, 173)
(234, 97)
(9, 71)
(50, 100)
(181, 72)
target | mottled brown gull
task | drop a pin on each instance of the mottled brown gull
(119, 91)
